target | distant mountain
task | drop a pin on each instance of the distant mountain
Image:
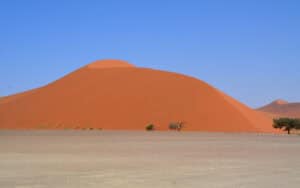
(281, 108)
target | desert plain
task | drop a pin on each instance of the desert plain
(115, 159)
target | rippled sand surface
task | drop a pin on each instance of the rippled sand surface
(50, 159)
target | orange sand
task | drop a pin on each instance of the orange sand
(123, 97)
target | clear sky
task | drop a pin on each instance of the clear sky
(250, 49)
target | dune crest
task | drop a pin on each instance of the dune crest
(280, 102)
(110, 63)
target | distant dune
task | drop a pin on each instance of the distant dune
(281, 108)
(115, 95)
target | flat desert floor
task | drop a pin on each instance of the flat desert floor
(56, 159)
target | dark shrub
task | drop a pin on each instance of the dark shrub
(176, 126)
(287, 124)
(150, 127)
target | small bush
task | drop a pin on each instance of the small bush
(150, 127)
(176, 126)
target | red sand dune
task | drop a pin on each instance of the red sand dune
(281, 108)
(123, 97)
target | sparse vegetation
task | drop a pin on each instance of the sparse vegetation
(287, 124)
(176, 126)
(150, 127)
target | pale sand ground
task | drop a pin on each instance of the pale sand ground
(64, 159)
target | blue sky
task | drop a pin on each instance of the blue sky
(249, 49)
